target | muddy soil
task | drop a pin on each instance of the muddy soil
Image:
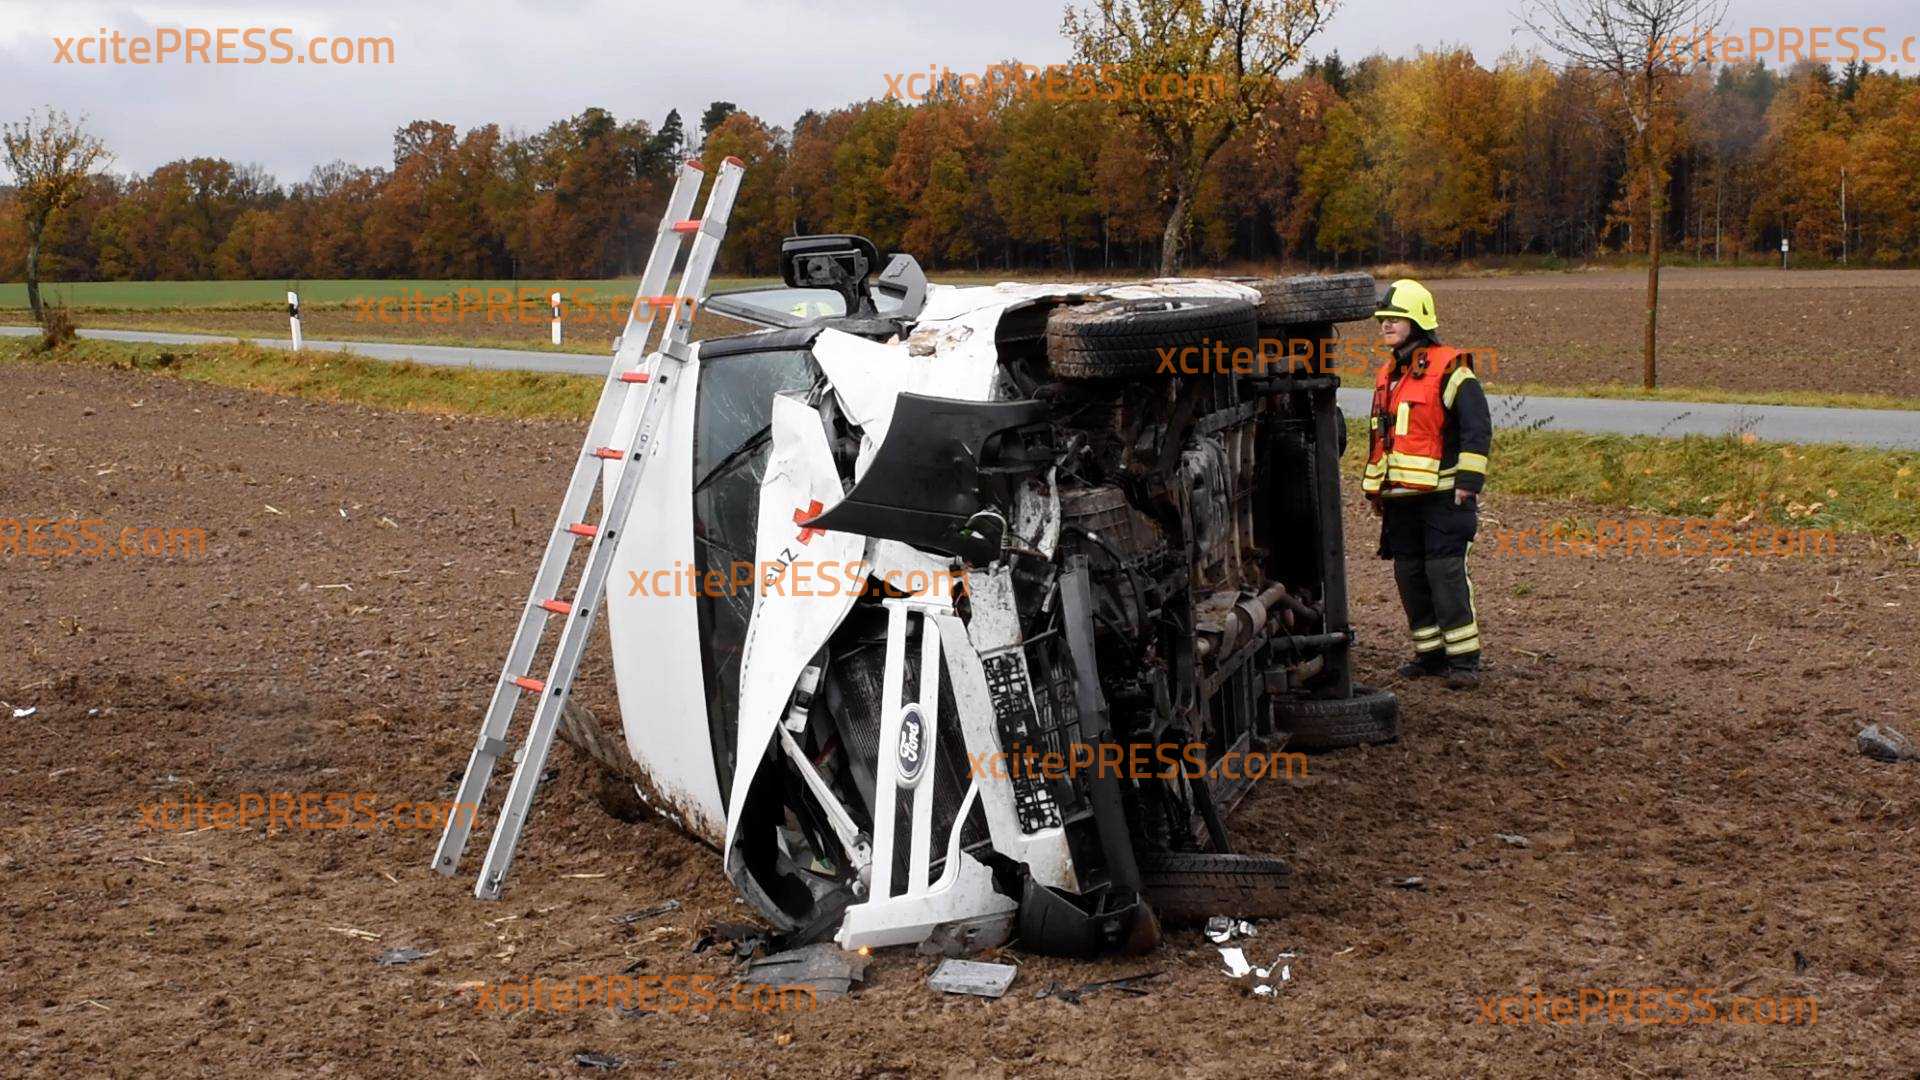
(1671, 739)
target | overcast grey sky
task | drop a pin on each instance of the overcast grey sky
(524, 64)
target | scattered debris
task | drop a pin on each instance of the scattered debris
(1236, 960)
(1419, 883)
(830, 970)
(972, 977)
(22, 714)
(743, 939)
(1877, 742)
(590, 1059)
(351, 932)
(392, 957)
(1073, 995)
(967, 937)
(1222, 929)
(1512, 840)
(635, 916)
(1259, 981)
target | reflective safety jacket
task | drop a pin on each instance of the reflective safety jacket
(1429, 428)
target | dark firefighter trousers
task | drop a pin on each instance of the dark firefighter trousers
(1428, 538)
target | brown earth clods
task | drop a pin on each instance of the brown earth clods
(1671, 739)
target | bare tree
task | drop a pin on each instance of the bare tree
(1645, 48)
(51, 163)
(1192, 72)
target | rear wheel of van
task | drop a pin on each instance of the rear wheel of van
(1369, 716)
(1315, 298)
(1191, 887)
(1112, 339)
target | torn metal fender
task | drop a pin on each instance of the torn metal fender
(930, 482)
(789, 624)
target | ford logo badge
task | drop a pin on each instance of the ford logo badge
(910, 752)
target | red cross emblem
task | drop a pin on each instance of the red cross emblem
(801, 517)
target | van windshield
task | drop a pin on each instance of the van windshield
(731, 439)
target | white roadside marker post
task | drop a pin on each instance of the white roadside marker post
(556, 318)
(293, 316)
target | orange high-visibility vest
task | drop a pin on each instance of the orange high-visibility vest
(1407, 426)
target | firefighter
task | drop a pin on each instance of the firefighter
(1428, 437)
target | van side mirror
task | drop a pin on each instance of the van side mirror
(837, 262)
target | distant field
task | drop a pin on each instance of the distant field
(152, 295)
(1807, 337)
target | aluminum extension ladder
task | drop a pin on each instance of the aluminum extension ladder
(632, 367)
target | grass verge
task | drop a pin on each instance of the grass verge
(1706, 395)
(333, 376)
(1732, 478)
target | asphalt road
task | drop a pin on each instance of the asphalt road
(1887, 428)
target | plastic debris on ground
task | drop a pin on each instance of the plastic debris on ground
(633, 917)
(1258, 981)
(972, 977)
(966, 938)
(829, 969)
(1877, 742)
(590, 1060)
(402, 956)
(1222, 929)
(22, 714)
(1072, 995)
(737, 939)
(1512, 840)
(1409, 883)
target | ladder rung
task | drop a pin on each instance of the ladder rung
(706, 231)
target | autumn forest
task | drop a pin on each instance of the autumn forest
(1431, 158)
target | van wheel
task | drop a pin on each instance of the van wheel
(1316, 298)
(1111, 339)
(1191, 887)
(1370, 716)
